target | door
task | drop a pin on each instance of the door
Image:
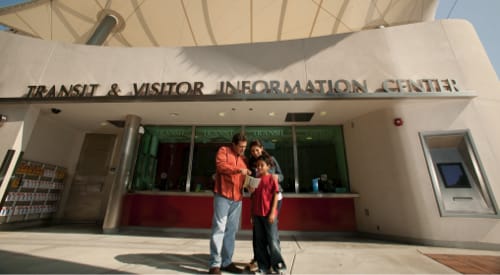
(90, 189)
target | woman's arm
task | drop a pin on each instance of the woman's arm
(277, 170)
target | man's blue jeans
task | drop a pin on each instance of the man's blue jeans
(225, 224)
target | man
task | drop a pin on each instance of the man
(231, 170)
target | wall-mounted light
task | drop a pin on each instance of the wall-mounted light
(3, 118)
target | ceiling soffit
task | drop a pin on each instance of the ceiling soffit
(154, 23)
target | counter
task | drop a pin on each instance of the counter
(300, 212)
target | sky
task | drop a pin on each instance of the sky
(483, 14)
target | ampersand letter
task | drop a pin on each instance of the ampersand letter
(115, 90)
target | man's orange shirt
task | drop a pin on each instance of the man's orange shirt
(229, 180)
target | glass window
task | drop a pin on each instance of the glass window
(321, 159)
(165, 161)
(460, 184)
(163, 158)
(207, 141)
(278, 142)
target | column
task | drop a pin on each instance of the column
(124, 174)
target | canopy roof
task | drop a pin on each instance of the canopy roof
(203, 22)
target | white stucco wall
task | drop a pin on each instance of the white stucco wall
(387, 168)
(386, 163)
(63, 153)
(373, 56)
(15, 133)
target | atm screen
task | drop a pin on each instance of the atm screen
(453, 175)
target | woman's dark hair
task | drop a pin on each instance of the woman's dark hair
(264, 153)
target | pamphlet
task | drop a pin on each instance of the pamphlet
(251, 182)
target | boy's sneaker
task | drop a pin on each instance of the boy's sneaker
(252, 266)
(281, 269)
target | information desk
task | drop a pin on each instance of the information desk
(300, 212)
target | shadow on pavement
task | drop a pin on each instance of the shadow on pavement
(194, 263)
(17, 263)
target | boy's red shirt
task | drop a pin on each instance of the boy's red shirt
(263, 196)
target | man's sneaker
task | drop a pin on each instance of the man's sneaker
(214, 270)
(232, 268)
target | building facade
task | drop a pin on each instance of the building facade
(396, 124)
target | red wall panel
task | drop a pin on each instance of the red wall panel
(181, 211)
(167, 211)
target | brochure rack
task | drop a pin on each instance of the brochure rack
(33, 193)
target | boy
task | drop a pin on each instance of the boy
(265, 222)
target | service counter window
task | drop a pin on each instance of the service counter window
(182, 158)
(321, 159)
(163, 159)
(207, 141)
(278, 142)
(459, 181)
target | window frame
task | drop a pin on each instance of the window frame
(482, 183)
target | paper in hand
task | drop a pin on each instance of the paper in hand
(251, 182)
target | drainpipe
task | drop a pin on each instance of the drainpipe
(102, 31)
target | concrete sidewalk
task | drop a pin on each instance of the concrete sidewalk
(83, 249)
